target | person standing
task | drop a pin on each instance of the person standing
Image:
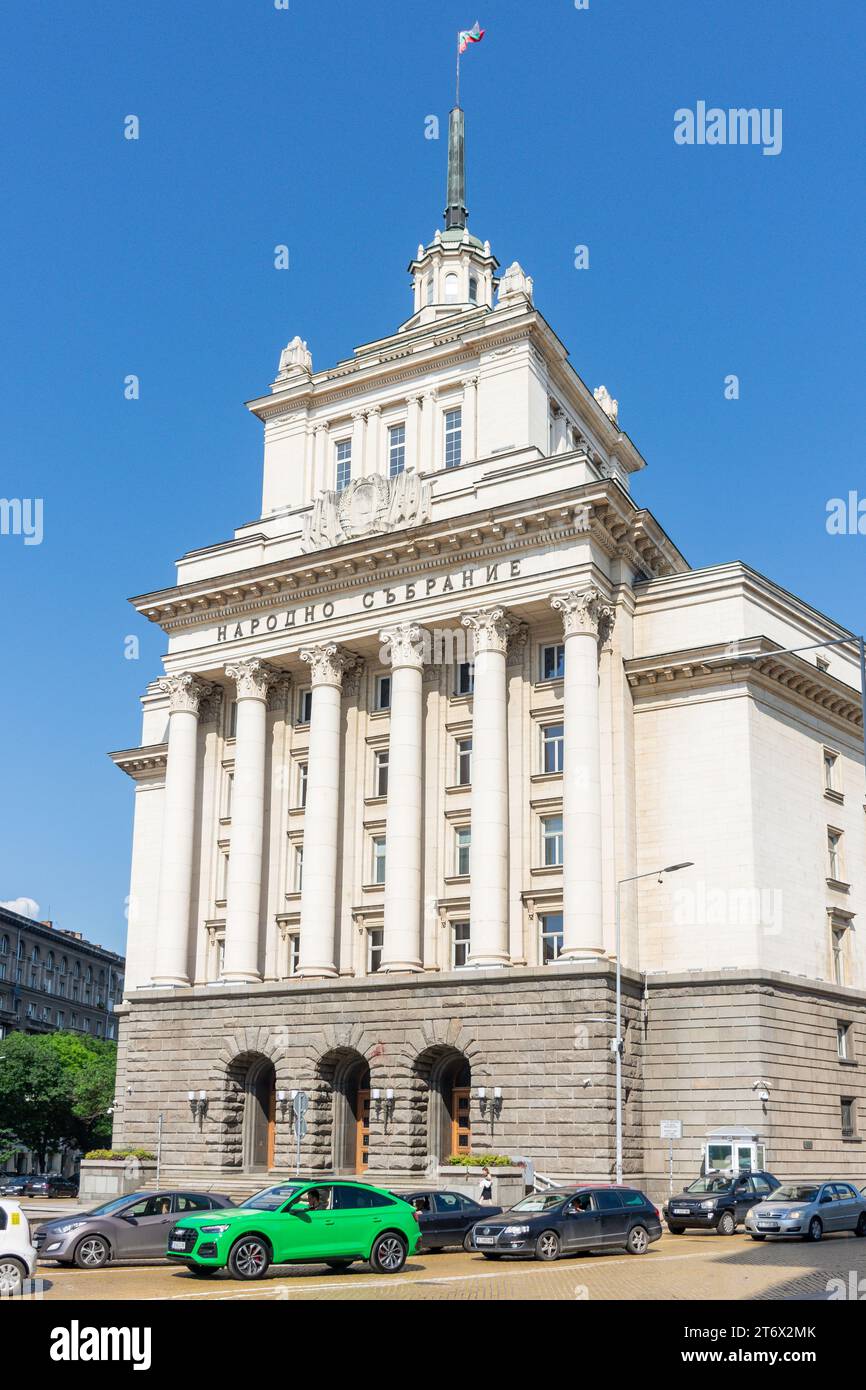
(485, 1187)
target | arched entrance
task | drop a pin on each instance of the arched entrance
(448, 1075)
(349, 1076)
(260, 1116)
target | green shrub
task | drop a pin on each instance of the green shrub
(144, 1154)
(479, 1161)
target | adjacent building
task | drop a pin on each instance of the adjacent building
(53, 980)
(420, 722)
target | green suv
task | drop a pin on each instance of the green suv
(332, 1223)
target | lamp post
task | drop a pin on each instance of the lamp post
(617, 1044)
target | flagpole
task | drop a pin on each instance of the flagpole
(457, 103)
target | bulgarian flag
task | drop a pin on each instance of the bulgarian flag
(468, 36)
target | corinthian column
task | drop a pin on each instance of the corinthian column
(585, 617)
(402, 937)
(321, 817)
(243, 912)
(185, 693)
(488, 892)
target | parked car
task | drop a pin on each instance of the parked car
(12, 1184)
(447, 1218)
(17, 1252)
(719, 1202)
(549, 1224)
(50, 1185)
(333, 1223)
(134, 1227)
(808, 1210)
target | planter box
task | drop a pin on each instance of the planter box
(104, 1178)
(509, 1184)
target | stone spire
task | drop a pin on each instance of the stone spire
(455, 212)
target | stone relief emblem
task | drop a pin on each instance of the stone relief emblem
(367, 507)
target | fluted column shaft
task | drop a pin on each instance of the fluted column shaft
(488, 892)
(403, 826)
(321, 816)
(243, 912)
(585, 616)
(171, 960)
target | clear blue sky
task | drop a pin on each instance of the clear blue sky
(261, 126)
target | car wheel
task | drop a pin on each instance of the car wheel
(249, 1258)
(338, 1265)
(816, 1229)
(12, 1275)
(203, 1271)
(861, 1225)
(754, 1237)
(727, 1225)
(468, 1243)
(389, 1252)
(548, 1246)
(638, 1241)
(676, 1230)
(92, 1252)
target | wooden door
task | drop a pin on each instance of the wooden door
(272, 1125)
(362, 1132)
(461, 1131)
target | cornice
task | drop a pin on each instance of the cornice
(142, 763)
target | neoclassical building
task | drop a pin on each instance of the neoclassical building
(417, 723)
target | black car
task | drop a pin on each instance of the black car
(446, 1218)
(718, 1202)
(50, 1185)
(549, 1224)
(12, 1184)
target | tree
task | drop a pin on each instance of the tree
(55, 1090)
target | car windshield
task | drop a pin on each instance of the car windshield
(271, 1198)
(794, 1192)
(539, 1201)
(711, 1185)
(108, 1207)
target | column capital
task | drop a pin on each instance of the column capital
(359, 414)
(406, 644)
(185, 692)
(491, 629)
(585, 612)
(327, 663)
(278, 693)
(432, 394)
(469, 381)
(374, 410)
(322, 427)
(252, 677)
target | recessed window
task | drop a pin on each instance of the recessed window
(303, 769)
(343, 454)
(551, 840)
(551, 936)
(453, 438)
(233, 719)
(552, 743)
(843, 1040)
(379, 859)
(839, 942)
(294, 944)
(298, 870)
(229, 793)
(452, 288)
(464, 762)
(381, 778)
(305, 705)
(382, 695)
(552, 662)
(831, 771)
(396, 450)
(473, 289)
(428, 289)
(835, 867)
(375, 943)
(465, 683)
(462, 849)
(848, 1115)
(460, 945)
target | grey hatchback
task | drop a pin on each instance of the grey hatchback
(134, 1227)
(808, 1210)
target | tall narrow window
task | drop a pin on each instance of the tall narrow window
(383, 692)
(552, 741)
(375, 942)
(302, 783)
(553, 662)
(305, 705)
(396, 450)
(452, 288)
(428, 289)
(466, 678)
(551, 840)
(839, 955)
(294, 952)
(848, 1108)
(381, 772)
(464, 762)
(551, 937)
(344, 463)
(379, 859)
(834, 855)
(233, 719)
(460, 945)
(473, 290)
(843, 1040)
(299, 868)
(453, 438)
(462, 848)
(831, 771)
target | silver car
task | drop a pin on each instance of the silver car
(809, 1210)
(135, 1227)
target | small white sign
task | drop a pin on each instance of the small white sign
(671, 1129)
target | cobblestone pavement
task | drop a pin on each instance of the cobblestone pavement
(699, 1266)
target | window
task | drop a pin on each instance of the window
(192, 1204)
(843, 1040)
(299, 868)
(452, 288)
(552, 743)
(462, 847)
(343, 449)
(839, 955)
(429, 289)
(465, 678)
(552, 666)
(378, 858)
(551, 937)
(460, 945)
(831, 771)
(381, 783)
(453, 438)
(834, 855)
(383, 692)
(4, 946)
(305, 705)
(464, 762)
(233, 719)
(230, 786)
(551, 840)
(294, 942)
(302, 783)
(396, 450)
(473, 289)
(375, 941)
(848, 1108)
(61, 1018)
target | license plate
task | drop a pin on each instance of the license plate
(680, 1211)
(767, 1226)
(484, 1240)
(177, 1245)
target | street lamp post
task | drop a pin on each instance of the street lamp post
(617, 1044)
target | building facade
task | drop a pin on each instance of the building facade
(417, 723)
(53, 980)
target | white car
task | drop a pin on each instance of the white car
(17, 1252)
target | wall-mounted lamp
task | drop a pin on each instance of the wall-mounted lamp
(384, 1104)
(492, 1104)
(197, 1105)
(282, 1102)
(763, 1088)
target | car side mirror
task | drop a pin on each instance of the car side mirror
(826, 1198)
